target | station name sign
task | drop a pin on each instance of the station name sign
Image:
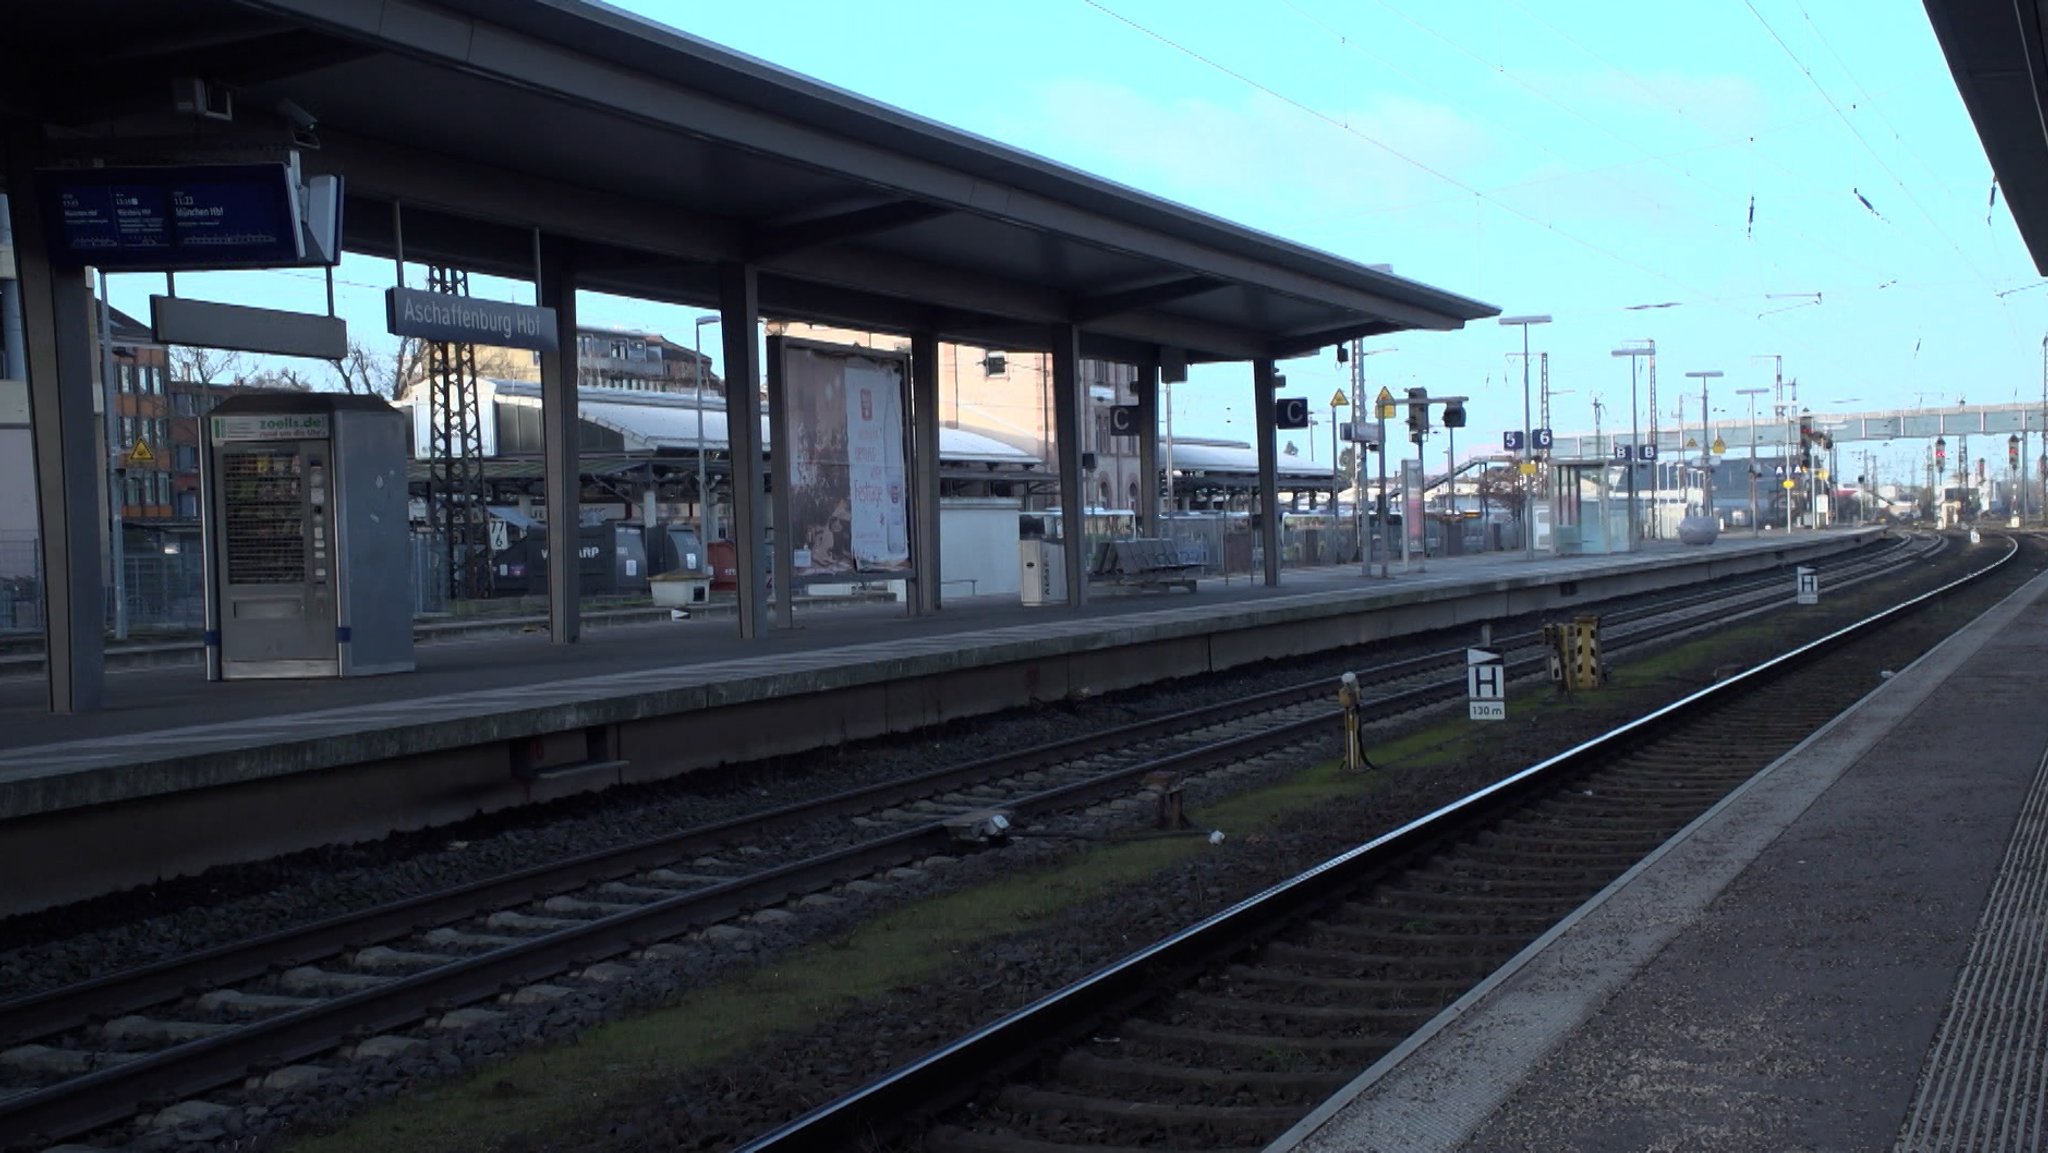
(467, 320)
(174, 217)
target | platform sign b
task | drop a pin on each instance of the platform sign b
(1486, 685)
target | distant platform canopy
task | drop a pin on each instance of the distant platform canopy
(655, 158)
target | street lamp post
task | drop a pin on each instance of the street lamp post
(1756, 527)
(1528, 439)
(1359, 404)
(1706, 447)
(1635, 435)
(2012, 458)
(703, 497)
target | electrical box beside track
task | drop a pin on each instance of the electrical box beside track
(1574, 654)
(307, 558)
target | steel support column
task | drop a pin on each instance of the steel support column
(739, 307)
(1066, 408)
(783, 563)
(924, 458)
(1264, 384)
(561, 427)
(1147, 388)
(56, 323)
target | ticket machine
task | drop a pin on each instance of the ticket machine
(308, 566)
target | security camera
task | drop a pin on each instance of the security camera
(300, 119)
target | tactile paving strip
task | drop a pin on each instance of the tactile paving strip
(1985, 1083)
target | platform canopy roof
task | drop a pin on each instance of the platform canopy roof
(657, 156)
(1995, 51)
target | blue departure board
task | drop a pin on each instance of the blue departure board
(173, 217)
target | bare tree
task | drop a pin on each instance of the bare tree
(204, 365)
(1503, 488)
(289, 379)
(507, 364)
(368, 373)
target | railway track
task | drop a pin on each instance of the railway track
(1224, 1035)
(85, 1056)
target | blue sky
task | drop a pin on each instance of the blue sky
(1579, 159)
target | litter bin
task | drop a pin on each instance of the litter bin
(1042, 571)
(1041, 564)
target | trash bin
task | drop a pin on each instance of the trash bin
(1034, 582)
(1042, 571)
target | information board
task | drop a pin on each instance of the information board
(173, 217)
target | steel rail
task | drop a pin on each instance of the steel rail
(83, 1103)
(938, 1078)
(71, 1006)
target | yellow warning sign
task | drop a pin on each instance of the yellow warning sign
(140, 454)
(1691, 443)
(1385, 401)
(1787, 484)
(1720, 447)
(1339, 400)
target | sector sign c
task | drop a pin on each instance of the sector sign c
(1123, 420)
(1290, 412)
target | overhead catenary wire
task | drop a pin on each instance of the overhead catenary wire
(1650, 158)
(1762, 257)
(1662, 98)
(1860, 139)
(1340, 124)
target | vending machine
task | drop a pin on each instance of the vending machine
(308, 565)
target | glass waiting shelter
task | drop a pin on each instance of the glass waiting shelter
(1588, 507)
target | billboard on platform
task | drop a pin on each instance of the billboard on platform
(849, 501)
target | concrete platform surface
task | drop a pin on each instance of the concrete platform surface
(1846, 954)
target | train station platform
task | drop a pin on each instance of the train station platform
(1845, 954)
(495, 722)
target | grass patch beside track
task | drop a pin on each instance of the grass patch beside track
(519, 1099)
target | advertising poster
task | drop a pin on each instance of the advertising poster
(849, 500)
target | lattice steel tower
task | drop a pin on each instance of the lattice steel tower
(456, 494)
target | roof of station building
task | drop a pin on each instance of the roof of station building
(657, 156)
(668, 421)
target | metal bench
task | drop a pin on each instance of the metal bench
(1142, 564)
